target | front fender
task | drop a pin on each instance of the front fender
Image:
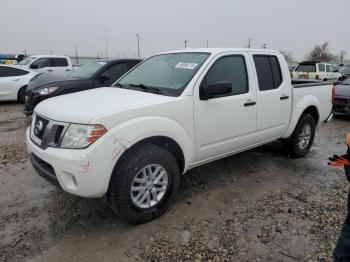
(132, 131)
(298, 110)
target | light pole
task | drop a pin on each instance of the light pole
(264, 46)
(186, 41)
(207, 42)
(138, 45)
(249, 42)
(76, 54)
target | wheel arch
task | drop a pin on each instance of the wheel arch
(19, 90)
(307, 105)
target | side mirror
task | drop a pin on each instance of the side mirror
(214, 90)
(103, 78)
(34, 66)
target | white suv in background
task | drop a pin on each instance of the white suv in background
(315, 71)
(48, 63)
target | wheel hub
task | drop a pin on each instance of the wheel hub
(149, 186)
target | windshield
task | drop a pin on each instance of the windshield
(27, 60)
(87, 70)
(344, 69)
(169, 73)
(306, 68)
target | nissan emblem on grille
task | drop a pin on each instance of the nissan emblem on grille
(38, 127)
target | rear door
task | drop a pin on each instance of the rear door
(226, 123)
(274, 98)
(60, 65)
(321, 71)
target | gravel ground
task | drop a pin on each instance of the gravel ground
(259, 205)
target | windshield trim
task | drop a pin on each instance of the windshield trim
(163, 90)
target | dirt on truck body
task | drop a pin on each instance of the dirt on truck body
(257, 205)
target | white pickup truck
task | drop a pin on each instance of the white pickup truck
(58, 64)
(172, 112)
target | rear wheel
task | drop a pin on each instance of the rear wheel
(22, 94)
(300, 142)
(143, 184)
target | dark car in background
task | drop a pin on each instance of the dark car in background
(341, 103)
(345, 71)
(92, 75)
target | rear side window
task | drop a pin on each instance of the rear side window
(268, 71)
(321, 67)
(306, 68)
(8, 71)
(58, 62)
(229, 69)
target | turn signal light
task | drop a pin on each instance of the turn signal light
(317, 77)
(333, 95)
(96, 132)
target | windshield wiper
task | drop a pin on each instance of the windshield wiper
(122, 86)
(146, 88)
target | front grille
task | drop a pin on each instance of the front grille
(45, 132)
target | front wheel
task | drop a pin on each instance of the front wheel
(143, 183)
(300, 142)
(22, 94)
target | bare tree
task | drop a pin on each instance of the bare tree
(320, 53)
(288, 55)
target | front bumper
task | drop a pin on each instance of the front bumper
(83, 172)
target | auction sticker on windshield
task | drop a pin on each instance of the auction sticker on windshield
(190, 66)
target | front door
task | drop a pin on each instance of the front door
(226, 123)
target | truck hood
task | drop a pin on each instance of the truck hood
(342, 90)
(83, 107)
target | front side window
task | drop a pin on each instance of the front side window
(169, 73)
(58, 62)
(230, 69)
(9, 71)
(328, 68)
(321, 67)
(116, 71)
(268, 71)
(41, 63)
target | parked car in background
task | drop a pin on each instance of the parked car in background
(344, 71)
(13, 82)
(170, 113)
(91, 75)
(48, 63)
(316, 71)
(341, 103)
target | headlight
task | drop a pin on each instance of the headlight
(81, 136)
(47, 90)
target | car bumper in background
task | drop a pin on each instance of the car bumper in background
(341, 106)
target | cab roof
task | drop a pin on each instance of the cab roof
(222, 50)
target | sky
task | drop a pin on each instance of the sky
(44, 26)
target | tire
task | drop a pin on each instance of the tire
(119, 195)
(22, 94)
(294, 144)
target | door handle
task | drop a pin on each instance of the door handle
(284, 97)
(249, 103)
(67, 70)
(49, 70)
(16, 79)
